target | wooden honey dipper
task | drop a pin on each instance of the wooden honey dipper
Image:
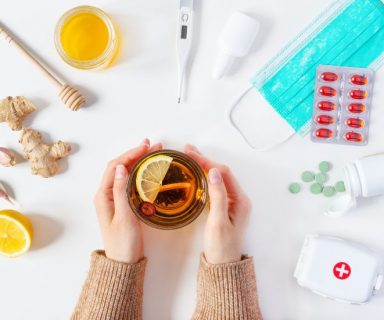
(70, 96)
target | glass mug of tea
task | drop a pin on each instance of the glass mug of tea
(167, 189)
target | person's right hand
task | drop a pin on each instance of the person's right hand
(120, 228)
(229, 211)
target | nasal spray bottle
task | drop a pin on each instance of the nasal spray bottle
(364, 178)
(235, 41)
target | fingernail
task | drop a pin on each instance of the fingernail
(158, 146)
(214, 176)
(194, 148)
(120, 172)
(145, 142)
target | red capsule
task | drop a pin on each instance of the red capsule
(359, 79)
(329, 76)
(357, 94)
(147, 209)
(356, 107)
(324, 133)
(327, 91)
(353, 136)
(355, 123)
(324, 119)
(326, 106)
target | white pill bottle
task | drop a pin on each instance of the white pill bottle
(363, 178)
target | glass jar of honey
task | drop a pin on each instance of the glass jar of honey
(86, 38)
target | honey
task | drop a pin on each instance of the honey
(85, 38)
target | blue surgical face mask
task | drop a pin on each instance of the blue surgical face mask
(348, 33)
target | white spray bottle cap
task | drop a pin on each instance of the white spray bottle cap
(235, 41)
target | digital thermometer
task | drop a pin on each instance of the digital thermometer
(184, 41)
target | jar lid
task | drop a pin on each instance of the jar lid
(341, 205)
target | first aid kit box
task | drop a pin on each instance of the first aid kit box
(339, 269)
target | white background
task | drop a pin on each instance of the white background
(136, 98)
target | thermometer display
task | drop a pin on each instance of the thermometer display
(184, 31)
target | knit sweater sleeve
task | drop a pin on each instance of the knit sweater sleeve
(227, 291)
(112, 290)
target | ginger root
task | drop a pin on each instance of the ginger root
(13, 110)
(42, 157)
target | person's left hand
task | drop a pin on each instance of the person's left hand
(120, 228)
(229, 211)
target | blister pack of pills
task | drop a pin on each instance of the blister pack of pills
(342, 105)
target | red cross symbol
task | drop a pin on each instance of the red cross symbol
(342, 270)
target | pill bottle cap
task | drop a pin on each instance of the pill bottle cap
(235, 41)
(341, 205)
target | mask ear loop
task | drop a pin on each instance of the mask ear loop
(232, 108)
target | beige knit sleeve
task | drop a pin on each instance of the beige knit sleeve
(112, 290)
(227, 291)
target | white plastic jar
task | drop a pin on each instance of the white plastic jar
(363, 178)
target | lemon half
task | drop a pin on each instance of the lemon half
(16, 233)
(150, 176)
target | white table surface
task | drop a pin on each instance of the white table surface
(136, 98)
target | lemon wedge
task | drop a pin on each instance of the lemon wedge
(150, 176)
(16, 233)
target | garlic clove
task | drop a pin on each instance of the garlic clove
(6, 196)
(7, 157)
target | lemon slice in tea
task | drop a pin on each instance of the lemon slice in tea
(15, 233)
(151, 175)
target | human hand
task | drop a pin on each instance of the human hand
(120, 228)
(229, 211)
